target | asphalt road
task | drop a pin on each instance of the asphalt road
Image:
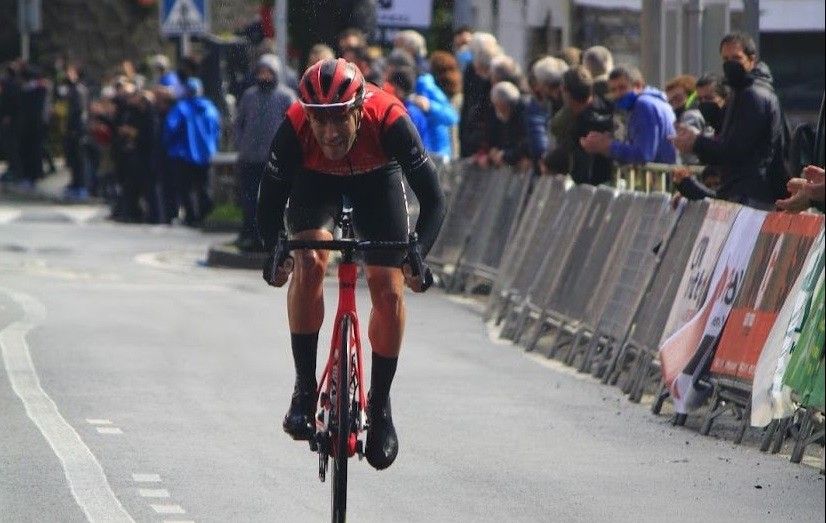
(137, 384)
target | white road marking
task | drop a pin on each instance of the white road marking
(98, 421)
(178, 521)
(84, 474)
(168, 509)
(146, 478)
(153, 493)
(109, 430)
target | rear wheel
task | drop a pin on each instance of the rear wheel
(341, 415)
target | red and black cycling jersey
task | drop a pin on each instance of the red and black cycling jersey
(386, 139)
(379, 113)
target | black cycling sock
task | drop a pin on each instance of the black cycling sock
(381, 377)
(305, 348)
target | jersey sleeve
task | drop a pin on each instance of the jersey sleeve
(402, 142)
(282, 163)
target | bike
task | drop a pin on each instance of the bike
(341, 415)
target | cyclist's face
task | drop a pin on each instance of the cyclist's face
(335, 131)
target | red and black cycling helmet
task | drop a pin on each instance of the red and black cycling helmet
(334, 83)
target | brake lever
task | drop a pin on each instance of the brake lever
(280, 254)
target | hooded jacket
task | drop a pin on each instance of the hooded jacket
(441, 116)
(259, 114)
(748, 145)
(192, 127)
(650, 124)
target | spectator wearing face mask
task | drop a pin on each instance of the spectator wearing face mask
(260, 112)
(650, 122)
(748, 147)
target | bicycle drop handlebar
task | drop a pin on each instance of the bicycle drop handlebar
(349, 246)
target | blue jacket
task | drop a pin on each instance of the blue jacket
(650, 124)
(417, 117)
(440, 118)
(536, 120)
(191, 130)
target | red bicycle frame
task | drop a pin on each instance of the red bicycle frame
(347, 275)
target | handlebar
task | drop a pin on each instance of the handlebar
(349, 246)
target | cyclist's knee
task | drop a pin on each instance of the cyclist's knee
(386, 291)
(310, 266)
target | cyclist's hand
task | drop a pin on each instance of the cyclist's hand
(277, 277)
(417, 283)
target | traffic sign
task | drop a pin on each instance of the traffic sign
(180, 17)
(403, 13)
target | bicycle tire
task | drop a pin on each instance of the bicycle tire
(342, 417)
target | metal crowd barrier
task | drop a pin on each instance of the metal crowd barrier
(651, 176)
(593, 276)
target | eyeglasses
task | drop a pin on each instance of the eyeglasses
(330, 113)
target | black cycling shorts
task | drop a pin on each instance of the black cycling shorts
(379, 206)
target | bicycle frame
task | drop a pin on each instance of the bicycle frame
(347, 276)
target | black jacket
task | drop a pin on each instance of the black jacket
(477, 120)
(749, 147)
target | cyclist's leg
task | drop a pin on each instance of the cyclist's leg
(314, 203)
(380, 213)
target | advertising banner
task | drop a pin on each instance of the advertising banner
(685, 355)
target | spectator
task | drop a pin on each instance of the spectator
(191, 137)
(711, 101)
(397, 59)
(134, 139)
(477, 117)
(548, 72)
(749, 147)
(695, 117)
(403, 81)
(260, 113)
(448, 77)
(319, 52)
(32, 124)
(650, 122)
(128, 70)
(572, 56)
(461, 47)
(10, 93)
(441, 116)
(351, 38)
(164, 75)
(680, 92)
(76, 122)
(162, 167)
(599, 62)
(520, 143)
(503, 68)
(588, 115)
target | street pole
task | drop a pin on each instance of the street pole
(694, 40)
(280, 11)
(751, 22)
(25, 45)
(185, 44)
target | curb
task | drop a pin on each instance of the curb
(229, 256)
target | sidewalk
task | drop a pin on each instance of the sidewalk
(49, 189)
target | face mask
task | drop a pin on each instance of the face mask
(735, 74)
(266, 85)
(713, 114)
(626, 101)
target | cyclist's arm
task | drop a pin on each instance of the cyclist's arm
(284, 159)
(402, 142)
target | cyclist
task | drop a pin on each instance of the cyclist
(345, 137)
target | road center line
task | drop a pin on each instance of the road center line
(84, 474)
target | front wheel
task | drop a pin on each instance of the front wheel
(341, 416)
